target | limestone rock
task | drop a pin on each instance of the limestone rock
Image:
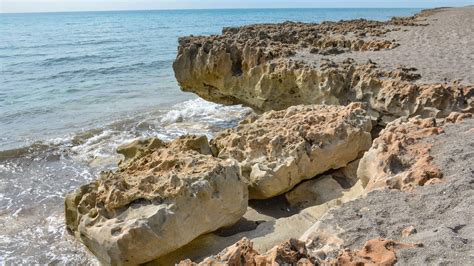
(374, 252)
(399, 158)
(290, 252)
(139, 148)
(264, 67)
(314, 192)
(408, 231)
(157, 202)
(279, 149)
(270, 231)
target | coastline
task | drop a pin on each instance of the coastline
(407, 73)
(274, 68)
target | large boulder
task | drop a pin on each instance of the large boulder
(156, 201)
(279, 149)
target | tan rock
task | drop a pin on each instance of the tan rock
(269, 232)
(408, 231)
(139, 148)
(156, 202)
(349, 173)
(314, 192)
(374, 252)
(239, 254)
(399, 158)
(290, 252)
(279, 149)
(264, 67)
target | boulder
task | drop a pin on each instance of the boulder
(279, 149)
(156, 202)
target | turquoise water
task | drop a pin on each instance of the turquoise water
(73, 86)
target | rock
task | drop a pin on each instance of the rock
(270, 230)
(239, 254)
(271, 73)
(400, 157)
(139, 148)
(408, 231)
(157, 201)
(294, 252)
(290, 252)
(374, 252)
(348, 173)
(314, 192)
(279, 149)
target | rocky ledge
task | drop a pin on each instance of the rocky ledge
(345, 162)
(272, 67)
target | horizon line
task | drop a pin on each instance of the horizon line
(223, 8)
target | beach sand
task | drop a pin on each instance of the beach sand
(441, 51)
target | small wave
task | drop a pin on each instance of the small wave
(87, 73)
(69, 59)
(96, 42)
(97, 146)
(24, 151)
(199, 109)
(56, 45)
(22, 55)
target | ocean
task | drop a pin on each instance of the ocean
(74, 86)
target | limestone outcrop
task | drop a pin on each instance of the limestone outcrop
(279, 149)
(266, 68)
(400, 157)
(156, 201)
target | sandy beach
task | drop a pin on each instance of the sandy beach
(441, 51)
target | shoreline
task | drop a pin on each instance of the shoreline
(298, 153)
(313, 202)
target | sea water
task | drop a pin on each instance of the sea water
(74, 86)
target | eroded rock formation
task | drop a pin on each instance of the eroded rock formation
(164, 195)
(156, 202)
(256, 66)
(399, 158)
(279, 149)
(294, 252)
(291, 252)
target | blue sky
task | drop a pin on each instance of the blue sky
(88, 5)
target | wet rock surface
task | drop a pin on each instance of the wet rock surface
(156, 202)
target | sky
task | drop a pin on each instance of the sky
(8, 6)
